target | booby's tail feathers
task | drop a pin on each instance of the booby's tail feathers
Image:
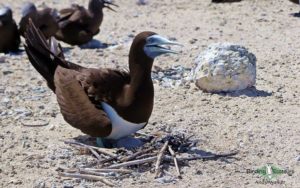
(43, 56)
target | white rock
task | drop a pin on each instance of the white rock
(225, 67)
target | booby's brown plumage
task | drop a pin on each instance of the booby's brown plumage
(295, 1)
(80, 91)
(44, 19)
(78, 25)
(9, 35)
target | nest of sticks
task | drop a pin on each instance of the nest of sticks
(176, 149)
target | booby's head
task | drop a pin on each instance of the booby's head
(152, 45)
(28, 8)
(101, 4)
(5, 15)
(108, 4)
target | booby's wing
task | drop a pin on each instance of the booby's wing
(76, 107)
(74, 14)
(79, 90)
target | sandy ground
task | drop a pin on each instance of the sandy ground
(262, 123)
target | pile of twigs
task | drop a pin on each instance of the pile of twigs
(157, 150)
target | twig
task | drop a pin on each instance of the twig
(133, 156)
(95, 153)
(88, 177)
(104, 170)
(208, 157)
(146, 155)
(135, 162)
(160, 157)
(125, 171)
(175, 161)
(108, 160)
(101, 150)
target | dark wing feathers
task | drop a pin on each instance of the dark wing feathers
(74, 14)
(103, 84)
(79, 90)
(76, 107)
(40, 55)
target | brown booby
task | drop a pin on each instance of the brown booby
(105, 103)
(45, 19)
(9, 35)
(295, 1)
(225, 1)
(78, 25)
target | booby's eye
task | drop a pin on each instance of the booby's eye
(150, 40)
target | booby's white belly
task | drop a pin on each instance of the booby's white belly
(120, 127)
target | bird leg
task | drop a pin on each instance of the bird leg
(125, 142)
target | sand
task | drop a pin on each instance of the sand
(263, 123)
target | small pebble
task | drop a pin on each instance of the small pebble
(35, 123)
(165, 180)
(142, 2)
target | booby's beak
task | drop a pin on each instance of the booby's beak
(157, 45)
(107, 3)
(3, 11)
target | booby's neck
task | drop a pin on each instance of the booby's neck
(96, 7)
(140, 66)
(140, 69)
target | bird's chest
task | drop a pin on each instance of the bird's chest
(120, 127)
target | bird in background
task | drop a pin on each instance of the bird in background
(9, 35)
(109, 104)
(45, 19)
(78, 25)
(295, 1)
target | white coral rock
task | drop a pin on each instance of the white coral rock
(225, 67)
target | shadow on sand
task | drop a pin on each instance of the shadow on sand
(249, 92)
(95, 44)
(297, 14)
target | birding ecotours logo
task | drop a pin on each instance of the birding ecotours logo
(270, 172)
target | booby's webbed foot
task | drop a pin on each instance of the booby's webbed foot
(93, 44)
(126, 142)
(104, 143)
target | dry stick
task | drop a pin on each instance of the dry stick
(95, 153)
(88, 177)
(146, 155)
(104, 170)
(108, 160)
(135, 162)
(160, 157)
(175, 161)
(125, 171)
(101, 150)
(133, 156)
(208, 157)
(168, 159)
